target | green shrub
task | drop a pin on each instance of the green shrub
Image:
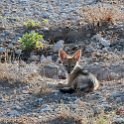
(31, 24)
(31, 41)
(45, 21)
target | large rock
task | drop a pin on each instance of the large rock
(105, 73)
(49, 70)
(59, 45)
(52, 70)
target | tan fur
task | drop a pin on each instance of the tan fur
(78, 78)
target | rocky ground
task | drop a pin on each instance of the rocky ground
(28, 92)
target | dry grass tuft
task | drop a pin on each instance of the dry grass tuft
(67, 116)
(12, 74)
(43, 90)
(18, 120)
(101, 16)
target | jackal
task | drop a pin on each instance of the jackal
(78, 78)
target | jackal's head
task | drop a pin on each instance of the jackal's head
(68, 61)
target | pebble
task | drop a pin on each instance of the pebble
(39, 101)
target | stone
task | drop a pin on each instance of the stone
(106, 107)
(89, 49)
(117, 96)
(13, 113)
(50, 70)
(2, 50)
(74, 106)
(18, 51)
(38, 102)
(1, 99)
(23, 1)
(10, 46)
(2, 27)
(118, 120)
(25, 91)
(59, 45)
(62, 74)
(105, 42)
(47, 59)
(102, 41)
(17, 107)
(46, 108)
(34, 58)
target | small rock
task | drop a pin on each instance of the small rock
(117, 96)
(59, 45)
(2, 50)
(18, 51)
(23, 1)
(46, 108)
(45, 15)
(25, 91)
(74, 106)
(38, 102)
(14, 113)
(1, 99)
(106, 107)
(62, 74)
(2, 27)
(89, 49)
(17, 107)
(34, 58)
(47, 59)
(10, 46)
(118, 120)
(103, 41)
(46, 28)
(78, 101)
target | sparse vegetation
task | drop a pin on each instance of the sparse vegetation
(11, 75)
(31, 24)
(100, 15)
(31, 41)
(45, 21)
(103, 118)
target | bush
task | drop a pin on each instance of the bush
(31, 41)
(31, 24)
(100, 15)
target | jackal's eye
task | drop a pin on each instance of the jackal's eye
(66, 66)
(72, 66)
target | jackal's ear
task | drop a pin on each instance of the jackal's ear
(77, 55)
(62, 54)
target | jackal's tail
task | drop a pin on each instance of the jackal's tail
(67, 90)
